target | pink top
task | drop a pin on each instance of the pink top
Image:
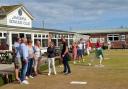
(74, 48)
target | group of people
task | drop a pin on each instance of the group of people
(80, 48)
(26, 58)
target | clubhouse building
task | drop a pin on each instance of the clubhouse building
(16, 21)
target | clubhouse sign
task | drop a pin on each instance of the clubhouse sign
(19, 18)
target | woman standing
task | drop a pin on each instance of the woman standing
(37, 60)
(74, 51)
(51, 59)
(88, 47)
(31, 51)
(99, 51)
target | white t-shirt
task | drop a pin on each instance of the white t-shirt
(38, 51)
(80, 46)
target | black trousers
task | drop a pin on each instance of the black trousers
(66, 65)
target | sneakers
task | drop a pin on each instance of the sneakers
(26, 77)
(49, 74)
(89, 64)
(74, 62)
(67, 73)
(25, 82)
(31, 76)
(55, 73)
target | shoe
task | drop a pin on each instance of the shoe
(26, 77)
(18, 80)
(69, 73)
(89, 64)
(74, 62)
(55, 73)
(31, 76)
(25, 82)
(49, 74)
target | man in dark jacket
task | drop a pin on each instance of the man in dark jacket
(64, 55)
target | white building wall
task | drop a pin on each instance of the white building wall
(19, 18)
(3, 21)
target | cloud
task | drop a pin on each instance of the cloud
(72, 11)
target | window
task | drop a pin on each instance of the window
(39, 35)
(35, 35)
(110, 38)
(46, 36)
(44, 42)
(113, 37)
(0, 34)
(5, 34)
(28, 36)
(122, 37)
(71, 41)
(21, 35)
(116, 38)
(43, 36)
(14, 37)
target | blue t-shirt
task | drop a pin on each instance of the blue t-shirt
(24, 51)
(17, 49)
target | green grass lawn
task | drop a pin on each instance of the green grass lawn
(114, 74)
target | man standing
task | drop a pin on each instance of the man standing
(24, 59)
(64, 55)
(17, 61)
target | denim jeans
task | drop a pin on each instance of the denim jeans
(66, 64)
(29, 69)
(23, 70)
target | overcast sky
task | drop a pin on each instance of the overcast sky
(76, 14)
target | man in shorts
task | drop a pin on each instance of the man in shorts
(17, 60)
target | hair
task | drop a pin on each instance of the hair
(29, 41)
(17, 39)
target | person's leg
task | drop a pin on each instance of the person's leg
(67, 64)
(38, 65)
(68, 67)
(101, 59)
(65, 68)
(28, 69)
(17, 67)
(35, 66)
(17, 73)
(53, 65)
(49, 66)
(31, 64)
(23, 70)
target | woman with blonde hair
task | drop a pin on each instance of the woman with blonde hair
(37, 57)
(51, 58)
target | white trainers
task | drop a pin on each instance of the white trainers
(74, 62)
(26, 77)
(89, 64)
(25, 82)
(55, 73)
(48, 74)
(31, 76)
